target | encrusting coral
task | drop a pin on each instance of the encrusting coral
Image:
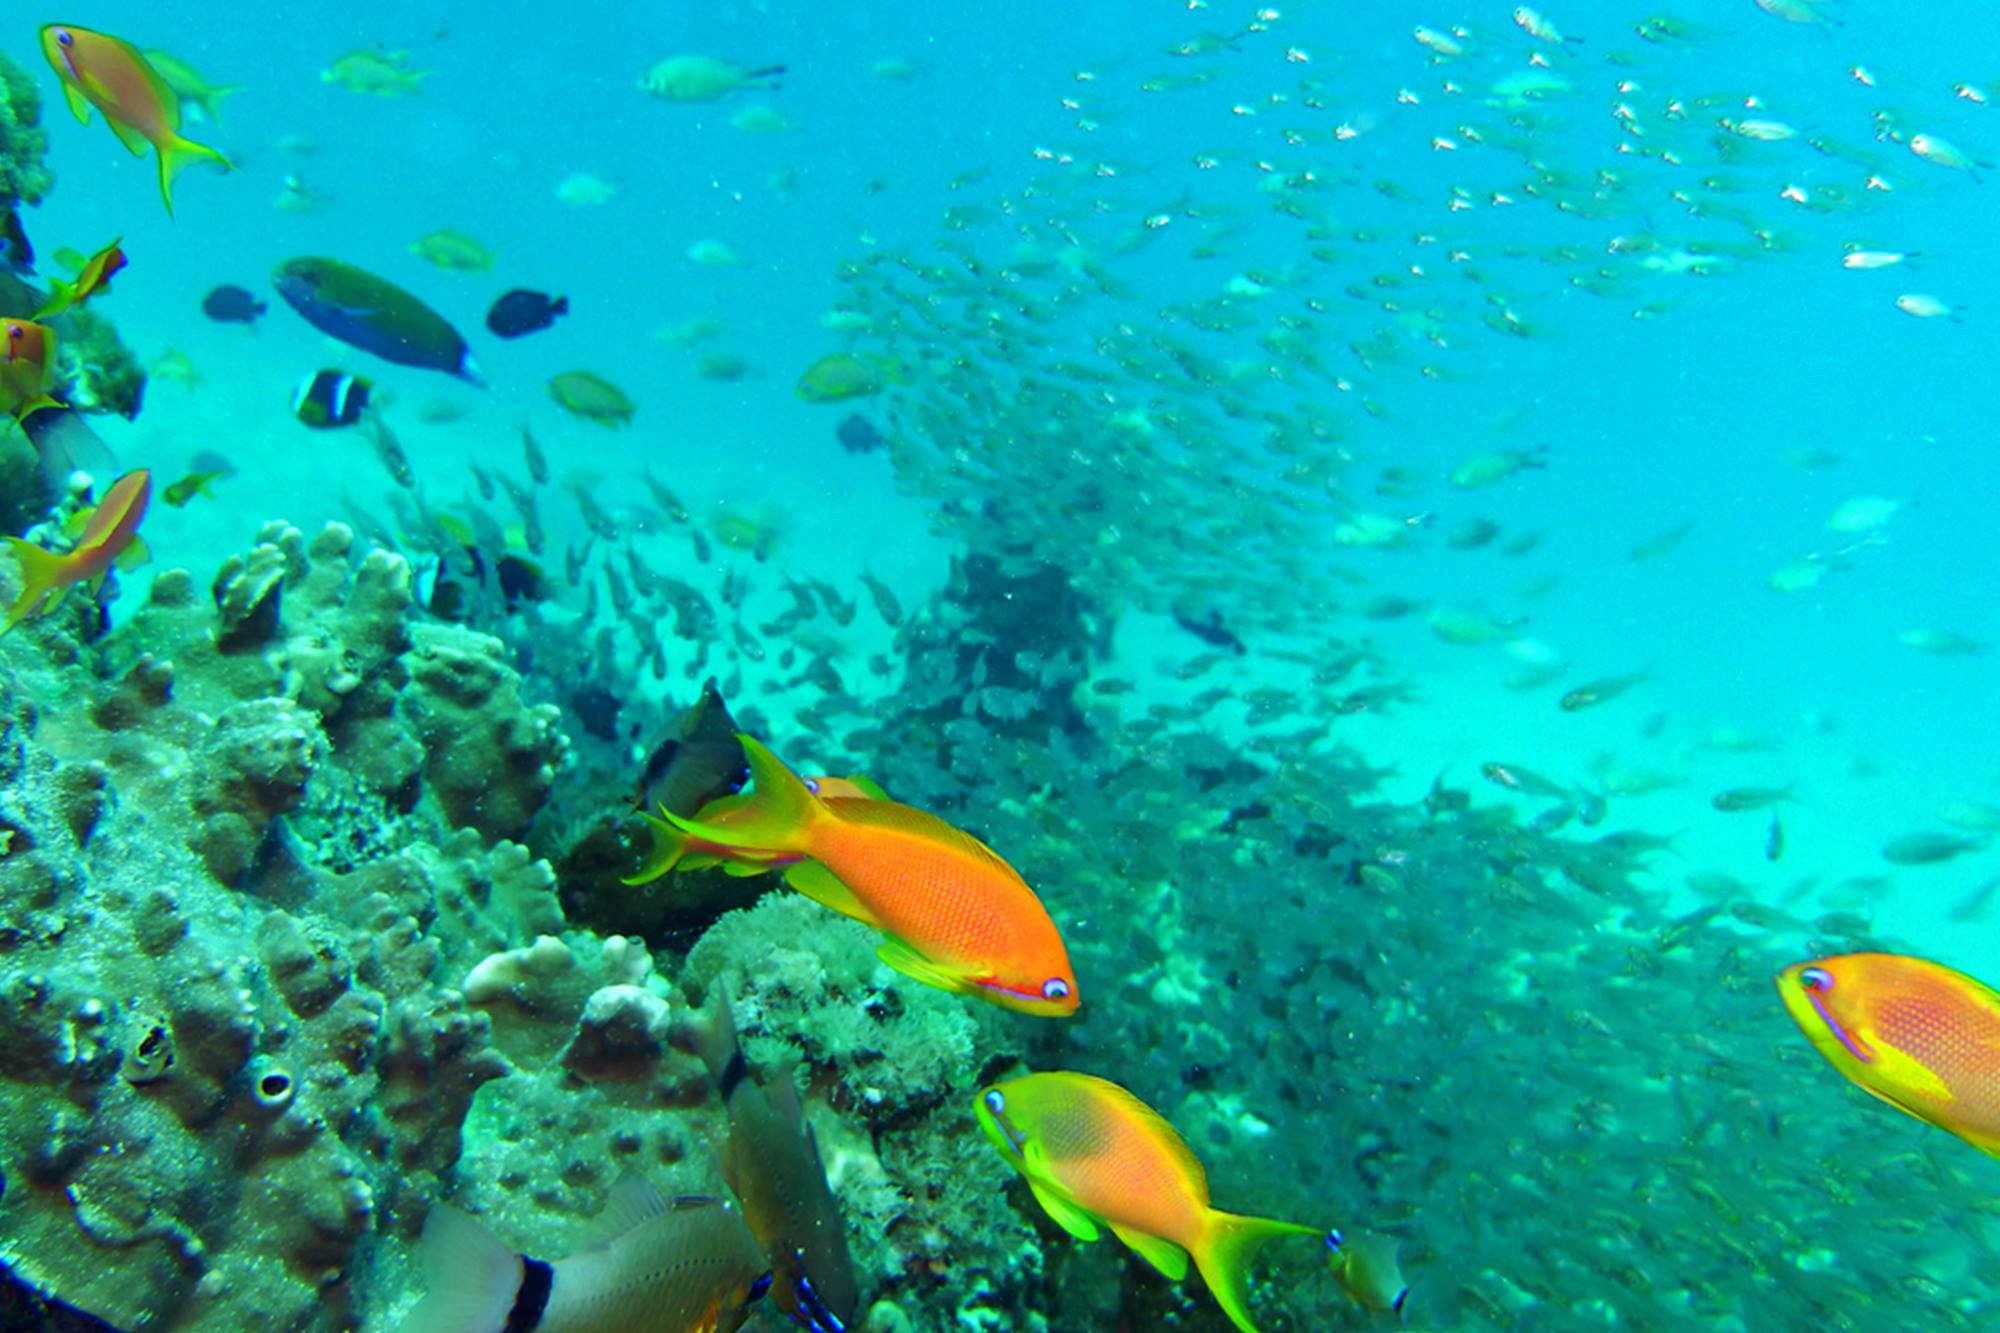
(275, 976)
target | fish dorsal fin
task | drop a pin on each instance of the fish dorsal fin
(632, 1202)
(1164, 1255)
(1070, 1217)
(821, 885)
(868, 786)
(895, 817)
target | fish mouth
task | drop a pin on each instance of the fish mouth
(1854, 1048)
(1026, 999)
(1016, 1139)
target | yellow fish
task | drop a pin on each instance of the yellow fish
(98, 70)
(1916, 1034)
(1095, 1154)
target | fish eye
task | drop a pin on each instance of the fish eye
(995, 1100)
(1055, 988)
(1816, 979)
(812, 785)
(63, 37)
(1333, 1239)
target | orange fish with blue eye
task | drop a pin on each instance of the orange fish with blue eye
(102, 71)
(952, 913)
(1922, 1037)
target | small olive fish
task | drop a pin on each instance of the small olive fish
(592, 397)
(1369, 1269)
(1537, 26)
(180, 492)
(1524, 780)
(1602, 691)
(1924, 849)
(1738, 799)
(1922, 1037)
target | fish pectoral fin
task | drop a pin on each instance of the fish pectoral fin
(1896, 1070)
(905, 959)
(827, 889)
(1067, 1215)
(1164, 1255)
(135, 142)
(79, 105)
(134, 555)
(633, 1200)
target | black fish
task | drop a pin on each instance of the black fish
(1210, 630)
(522, 312)
(229, 304)
(857, 435)
(329, 398)
(699, 760)
(19, 252)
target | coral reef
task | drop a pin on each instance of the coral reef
(24, 177)
(273, 977)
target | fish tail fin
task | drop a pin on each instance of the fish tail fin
(1224, 1250)
(176, 155)
(62, 295)
(41, 574)
(669, 846)
(207, 102)
(779, 816)
(471, 1279)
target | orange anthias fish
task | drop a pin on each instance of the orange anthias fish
(675, 850)
(92, 278)
(954, 914)
(1094, 1154)
(1923, 1038)
(29, 351)
(98, 70)
(110, 536)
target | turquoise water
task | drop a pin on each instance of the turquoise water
(1164, 301)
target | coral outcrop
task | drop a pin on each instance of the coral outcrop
(276, 975)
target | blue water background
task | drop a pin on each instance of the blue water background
(1647, 423)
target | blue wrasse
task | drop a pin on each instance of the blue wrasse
(373, 314)
(648, 1265)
